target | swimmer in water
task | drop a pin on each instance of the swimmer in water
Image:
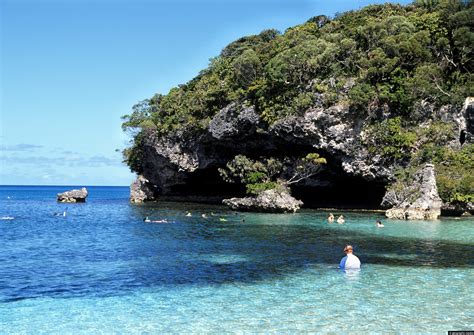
(204, 216)
(379, 224)
(147, 219)
(189, 214)
(331, 218)
(340, 219)
(63, 214)
(222, 220)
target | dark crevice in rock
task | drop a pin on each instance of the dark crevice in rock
(462, 137)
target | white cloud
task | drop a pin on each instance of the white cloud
(20, 147)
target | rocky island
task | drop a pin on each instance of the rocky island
(73, 196)
(370, 109)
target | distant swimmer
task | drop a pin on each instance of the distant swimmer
(340, 219)
(204, 216)
(189, 214)
(350, 261)
(222, 220)
(7, 218)
(64, 213)
(331, 218)
(147, 219)
(379, 224)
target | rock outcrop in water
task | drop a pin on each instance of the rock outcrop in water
(73, 196)
(141, 190)
(273, 201)
(418, 200)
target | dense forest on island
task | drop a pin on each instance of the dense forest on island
(387, 62)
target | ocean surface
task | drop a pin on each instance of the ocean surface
(101, 269)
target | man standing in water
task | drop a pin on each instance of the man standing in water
(351, 261)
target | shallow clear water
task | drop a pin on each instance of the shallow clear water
(102, 269)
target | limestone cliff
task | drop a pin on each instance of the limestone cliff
(183, 165)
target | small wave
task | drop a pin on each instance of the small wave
(7, 218)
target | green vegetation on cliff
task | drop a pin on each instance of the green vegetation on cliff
(381, 60)
(384, 55)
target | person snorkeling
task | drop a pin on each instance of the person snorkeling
(147, 219)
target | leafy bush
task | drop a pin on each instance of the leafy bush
(270, 173)
(454, 173)
(390, 139)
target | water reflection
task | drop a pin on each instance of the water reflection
(352, 274)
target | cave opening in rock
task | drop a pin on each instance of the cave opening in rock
(327, 191)
(345, 192)
(208, 185)
(332, 188)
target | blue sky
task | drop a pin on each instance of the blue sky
(70, 69)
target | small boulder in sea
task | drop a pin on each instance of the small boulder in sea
(73, 196)
(274, 201)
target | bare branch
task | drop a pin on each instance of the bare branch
(442, 91)
(450, 60)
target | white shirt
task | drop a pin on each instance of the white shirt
(351, 261)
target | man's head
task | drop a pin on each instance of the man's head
(348, 249)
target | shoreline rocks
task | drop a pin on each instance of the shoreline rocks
(457, 209)
(419, 200)
(73, 196)
(272, 201)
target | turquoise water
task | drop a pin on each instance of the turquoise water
(101, 269)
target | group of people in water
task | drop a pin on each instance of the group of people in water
(350, 261)
(189, 214)
(341, 220)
